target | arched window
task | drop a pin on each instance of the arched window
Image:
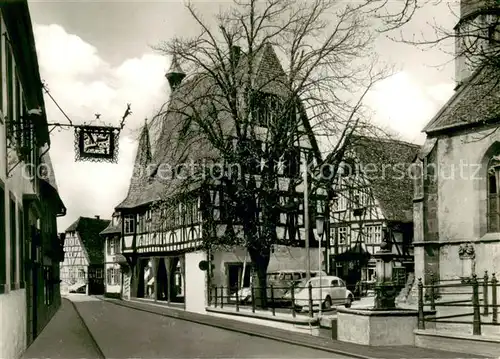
(494, 194)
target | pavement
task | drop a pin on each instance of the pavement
(110, 328)
(65, 337)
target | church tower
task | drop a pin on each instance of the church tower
(175, 75)
(476, 31)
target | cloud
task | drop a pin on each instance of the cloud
(83, 84)
(405, 105)
(65, 54)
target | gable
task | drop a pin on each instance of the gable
(88, 231)
(270, 76)
(178, 143)
(74, 252)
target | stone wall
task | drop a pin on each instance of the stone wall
(455, 206)
(196, 282)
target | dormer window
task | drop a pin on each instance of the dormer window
(265, 108)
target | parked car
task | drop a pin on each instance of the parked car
(77, 288)
(327, 291)
(281, 281)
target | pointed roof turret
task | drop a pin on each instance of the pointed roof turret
(175, 75)
(140, 175)
(144, 157)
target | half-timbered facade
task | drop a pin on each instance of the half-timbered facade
(372, 200)
(166, 224)
(83, 267)
(30, 248)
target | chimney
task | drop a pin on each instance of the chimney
(235, 54)
(97, 217)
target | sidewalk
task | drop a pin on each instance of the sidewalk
(65, 336)
(315, 342)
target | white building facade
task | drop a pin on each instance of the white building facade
(113, 259)
(30, 249)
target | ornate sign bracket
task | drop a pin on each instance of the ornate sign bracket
(96, 143)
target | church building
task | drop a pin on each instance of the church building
(457, 191)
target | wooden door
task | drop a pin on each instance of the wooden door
(96, 280)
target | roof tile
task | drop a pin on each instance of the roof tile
(390, 180)
(475, 101)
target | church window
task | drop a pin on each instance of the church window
(493, 195)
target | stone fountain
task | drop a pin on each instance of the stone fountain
(384, 323)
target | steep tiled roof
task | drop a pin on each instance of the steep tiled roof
(88, 229)
(178, 143)
(475, 102)
(110, 229)
(390, 180)
(140, 189)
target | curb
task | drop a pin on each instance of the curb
(97, 347)
(243, 331)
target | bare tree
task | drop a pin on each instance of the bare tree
(251, 118)
(473, 44)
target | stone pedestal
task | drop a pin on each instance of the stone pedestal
(385, 296)
(376, 327)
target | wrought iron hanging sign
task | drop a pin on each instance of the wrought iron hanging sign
(96, 143)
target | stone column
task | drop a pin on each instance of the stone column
(154, 263)
(168, 261)
(182, 261)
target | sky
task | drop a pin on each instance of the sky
(97, 56)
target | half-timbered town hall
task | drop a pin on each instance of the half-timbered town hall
(164, 245)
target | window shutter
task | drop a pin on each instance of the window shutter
(118, 276)
(108, 276)
(13, 242)
(22, 254)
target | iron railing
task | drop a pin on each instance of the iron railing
(276, 300)
(480, 303)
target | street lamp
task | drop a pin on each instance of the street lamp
(320, 218)
(320, 227)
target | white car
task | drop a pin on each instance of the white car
(244, 296)
(332, 291)
(77, 288)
